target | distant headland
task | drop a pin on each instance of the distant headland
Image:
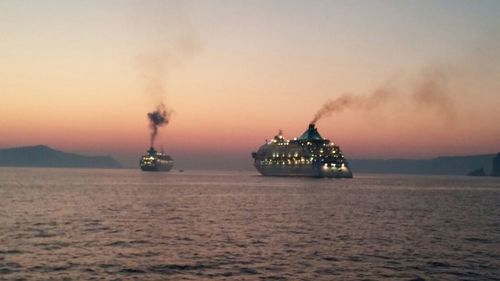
(44, 156)
(444, 165)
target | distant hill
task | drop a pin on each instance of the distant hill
(44, 156)
(449, 165)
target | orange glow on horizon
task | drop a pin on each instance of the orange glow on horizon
(233, 82)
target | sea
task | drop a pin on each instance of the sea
(92, 224)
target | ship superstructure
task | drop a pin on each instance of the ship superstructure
(156, 161)
(309, 155)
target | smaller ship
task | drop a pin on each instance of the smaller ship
(156, 161)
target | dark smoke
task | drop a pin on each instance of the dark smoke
(347, 101)
(430, 93)
(158, 118)
(169, 39)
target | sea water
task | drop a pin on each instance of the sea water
(90, 224)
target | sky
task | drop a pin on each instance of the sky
(81, 76)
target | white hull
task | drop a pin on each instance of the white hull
(304, 171)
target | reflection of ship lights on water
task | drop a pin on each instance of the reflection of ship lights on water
(309, 155)
(156, 161)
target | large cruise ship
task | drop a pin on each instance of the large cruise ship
(156, 161)
(309, 155)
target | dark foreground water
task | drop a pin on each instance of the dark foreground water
(62, 224)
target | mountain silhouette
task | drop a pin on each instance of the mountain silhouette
(444, 165)
(44, 156)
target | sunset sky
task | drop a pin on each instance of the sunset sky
(81, 76)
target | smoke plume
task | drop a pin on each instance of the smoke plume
(348, 101)
(429, 93)
(158, 118)
(169, 40)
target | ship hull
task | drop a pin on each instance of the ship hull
(157, 168)
(304, 171)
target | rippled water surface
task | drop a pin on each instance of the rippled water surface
(124, 224)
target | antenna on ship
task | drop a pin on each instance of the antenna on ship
(278, 137)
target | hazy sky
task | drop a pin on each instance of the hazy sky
(81, 75)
